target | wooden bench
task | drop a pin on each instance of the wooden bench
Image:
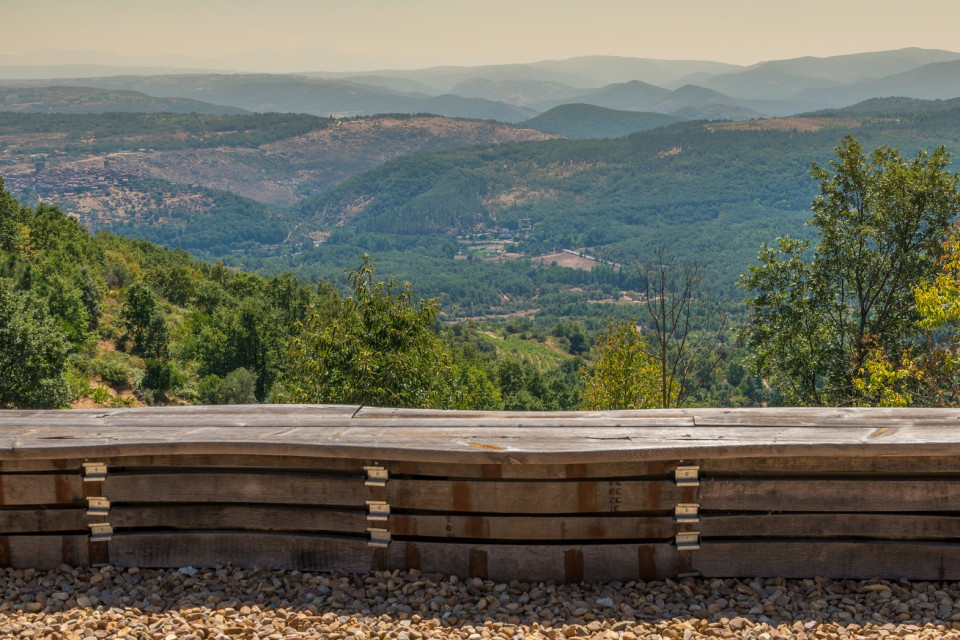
(618, 495)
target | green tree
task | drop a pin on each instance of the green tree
(33, 354)
(928, 371)
(376, 348)
(882, 222)
(625, 375)
(145, 324)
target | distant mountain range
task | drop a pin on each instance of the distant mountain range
(91, 100)
(687, 89)
(591, 121)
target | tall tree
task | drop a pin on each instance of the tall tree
(689, 336)
(145, 323)
(881, 223)
(33, 354)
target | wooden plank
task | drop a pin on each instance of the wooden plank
(636, 469)
(42, 520)
(248, 488)
(832, 525)
(537, 563)
(261, 550)
(41, 489)
(43, 552)
(487, 445)
(851, 495)
(182, 416)
(536, 497)
(249, 517)
(877, 465)
(907, 466)
(241, 462)
(19, 465)
(533, 528)
(480, 437)
(831, 559)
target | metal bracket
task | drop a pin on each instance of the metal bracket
(378, 510)
(100, 532)
(687, 513)
(687, 540)
(687, 476)
(94, 471)
(376, 476)
(378, 537)
(97, 506)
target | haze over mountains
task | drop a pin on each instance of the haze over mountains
(307, 171)
(689, 89)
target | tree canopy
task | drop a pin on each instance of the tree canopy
(377, 348)
(881, 222)
(625, 375)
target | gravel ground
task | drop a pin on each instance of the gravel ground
(71, 604)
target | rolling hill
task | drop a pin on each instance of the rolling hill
(295, 94)
(707, 191)
(91, 100)
(589, 121)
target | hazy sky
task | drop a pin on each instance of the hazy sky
(358, 34)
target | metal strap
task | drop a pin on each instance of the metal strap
(100, 532)
(94, 471)
(687, 476)
(97, 506)
(687, 513)
(376, 476)
(378, 510)
(687, 540)
(378, 537)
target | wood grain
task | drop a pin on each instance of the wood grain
(242, 549)
(41, 489)
(605, 496)
(232, 516)
(831, 559)
(533, 528)
(480, 437)
(852, 495)
(536, 563)
(235, 487)
(44, 552)
(42, 520)
(890, 526)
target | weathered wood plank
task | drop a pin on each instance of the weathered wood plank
(536, 497)
(536, 563)
(14, 521)
(241, 549)
(479, 437)
(781, 466)
(249, 517)
(876, 465)
(831, 525)
(831, 559)
(43, 552)
(851, 495)
(41, 489)
(235, 487)
(594, 527)
(635, 469)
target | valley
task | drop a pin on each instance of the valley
(577, 172)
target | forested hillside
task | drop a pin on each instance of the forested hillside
(710, 191)
(109, 321)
